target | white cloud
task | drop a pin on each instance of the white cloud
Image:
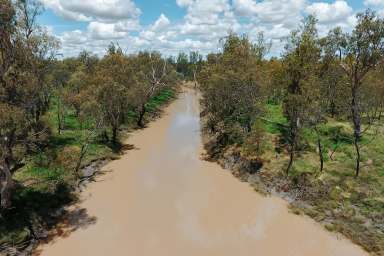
(205, 22)
(276, 18)
(86, 10)
(330, 12)
(184, 3)
(330, 15)
(245, 7)
(161, 23)
(272, 11)
(99, 30)
(379, 4)
(374, 2)
(208, 19)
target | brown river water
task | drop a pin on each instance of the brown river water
(161, 199)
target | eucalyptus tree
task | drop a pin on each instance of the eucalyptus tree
(195, 65)
(24, 53)
(182, 64)
(362, 53)
(300, 65)
(231, 86)
(114, 86)
(152, 73)
(332, 76)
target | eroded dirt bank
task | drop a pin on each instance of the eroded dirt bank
(162, 199)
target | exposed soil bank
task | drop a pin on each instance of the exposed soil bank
(162, 199)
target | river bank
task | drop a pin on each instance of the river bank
(46, 185)
(341, 204)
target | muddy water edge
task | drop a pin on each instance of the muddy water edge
(162, 199)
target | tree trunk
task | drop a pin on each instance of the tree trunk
(59, 118)
(357, 147)
(105, 135)
(194, 78)
(321, 157)
(83, 152)
(6, 185)
(140, 121)
(291, 156)
(356, 119)
(293, 134)
(114, 134)
(333, 109)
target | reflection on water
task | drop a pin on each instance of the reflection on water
(163, 200)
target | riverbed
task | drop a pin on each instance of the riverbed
(162, 199)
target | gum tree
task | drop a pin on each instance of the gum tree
(363, 52)
(300, 65)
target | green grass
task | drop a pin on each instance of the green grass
(354, 207)
(274, 118)
(159, 100)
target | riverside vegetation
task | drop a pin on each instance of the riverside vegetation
(59, 116)
(307, 125)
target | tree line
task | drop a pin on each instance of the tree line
(105, 93)
(336, 77)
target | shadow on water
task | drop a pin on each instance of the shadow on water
(73, 219)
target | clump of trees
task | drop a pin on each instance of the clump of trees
(104, 93)
(338, 76)
(334, 68)
(189, 66)
(233, 89)
(26, 54)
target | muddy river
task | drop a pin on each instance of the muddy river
(161, 199)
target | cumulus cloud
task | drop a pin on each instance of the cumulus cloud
(208, 19)
(272, 11)
(204, 22)
(334, 14)
(161, 23)
(108, 20)
(378, 4)
(86, 10)
(100, 30)
(330, 12)
(374, 2)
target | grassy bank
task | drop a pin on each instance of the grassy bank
(334, 197)
(47, 181)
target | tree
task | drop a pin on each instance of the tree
(58, 78)
(300, 64)
(195, 62)
(22, 54)
(363, 52)
(113, 95)
(262, 47)
(153, 74)
(182, 64)
(231, 87)
(332, 77)
(76, 89)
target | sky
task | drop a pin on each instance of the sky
(173, 26)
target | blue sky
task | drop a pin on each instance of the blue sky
(151, 11)
(171, 26)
